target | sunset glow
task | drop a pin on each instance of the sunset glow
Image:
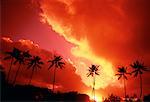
(75, 47)
(98, 97)
(81, 49)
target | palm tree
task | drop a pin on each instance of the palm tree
(138, 69)
(122, 71)
(12, 55)
(56, 61)
(26, 55)
(34, 63)
(93, 71)
(21, 60)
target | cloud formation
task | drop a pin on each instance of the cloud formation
(82, 27)
(42, 77)
(113, 29)
(105, 32)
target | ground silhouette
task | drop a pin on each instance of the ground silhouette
(9, 92)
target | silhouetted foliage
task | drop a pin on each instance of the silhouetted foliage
(2, 82)
(22, 57)
(122, 71)
(93, 71)
(14, 54)
(57, 62)
(112, 98)
(147, 98)
(34, 63)
(32, 93)
(138, 69)
(115, 98)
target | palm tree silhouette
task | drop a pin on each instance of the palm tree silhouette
(122, 71)
(138, 69)
(56, 61)
(34, 63)
(14, 54)
(93, 71)
(24, 55)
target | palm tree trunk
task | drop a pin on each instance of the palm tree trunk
(10, 69)
(140, 86)
(54, 79)
(124, 88)
(93, 90)
(94, 87)
(16, 74)
(31, 76)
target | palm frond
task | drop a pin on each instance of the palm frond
(40, 63)
(96, 73)
(119, 77)
(140, 72)
(39, 66)
(132, 65)
(15, 62)
(56, 65)
(129, 73)
(8, 53)
(145, 68)
(139, 66)
(122, 71)
(8, 57)
(93, 70)
(35, 62)
(49, 61)
(136, 73)
(52, 63)
(60, 64)
(88, 75)
(56, 61)
(117, 74)
(125, 77)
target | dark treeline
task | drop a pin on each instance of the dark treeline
(12, 91)
(9, 92)
(138, 69)
(33, 62)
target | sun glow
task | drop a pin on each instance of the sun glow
(81, 50)
(106, 68)
(98, 97)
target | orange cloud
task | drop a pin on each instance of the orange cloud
(103, 31)
(74, 21)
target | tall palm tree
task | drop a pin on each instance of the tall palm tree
(14, 54)
(57, 63)
(34, 63)
(138, 69)
(24, 55)
(122, 72)
(93, 71)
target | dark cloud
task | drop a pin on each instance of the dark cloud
(18, 16)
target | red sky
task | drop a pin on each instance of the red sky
(105, 32)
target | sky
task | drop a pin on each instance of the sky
(103, 32)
